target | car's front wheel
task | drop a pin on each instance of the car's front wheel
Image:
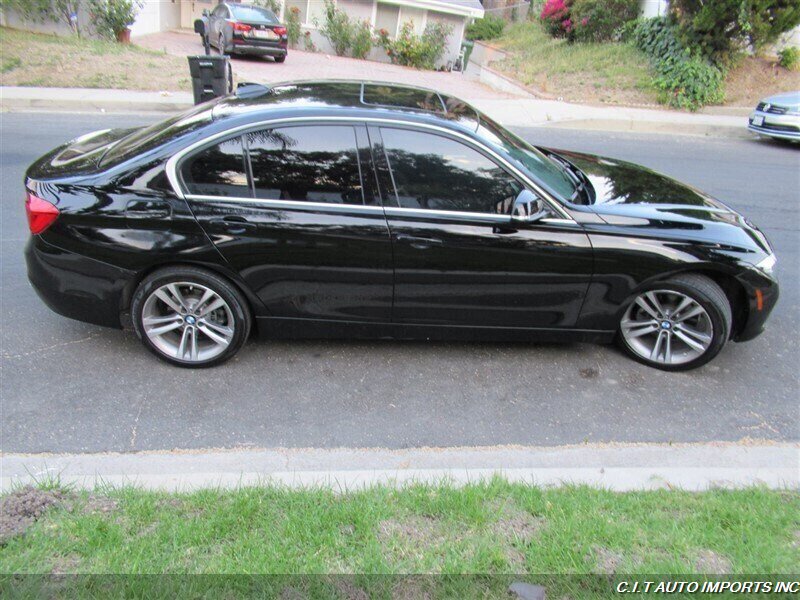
(190, 317)
(678, 324)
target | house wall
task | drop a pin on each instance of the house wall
(653, 8)
(193, 9)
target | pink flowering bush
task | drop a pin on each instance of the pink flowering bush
(555, 17)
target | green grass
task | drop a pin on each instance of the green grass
(34, 59)
(611, 72)
(491, 528)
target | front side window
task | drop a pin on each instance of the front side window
(438, 173)
(306, 163)
(217, 171)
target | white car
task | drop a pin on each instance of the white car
(777, 116)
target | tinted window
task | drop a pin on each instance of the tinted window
(253, 14)
(434, 172)
(528, 157)
(217, 171)
(313, 164)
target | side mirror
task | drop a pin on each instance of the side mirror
(528, 207)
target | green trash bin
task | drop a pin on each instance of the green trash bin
(466, 47)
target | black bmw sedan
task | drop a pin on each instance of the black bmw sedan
(358, 209)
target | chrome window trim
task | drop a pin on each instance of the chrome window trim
(172, 163)
(289, 204)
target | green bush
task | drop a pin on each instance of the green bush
(599, 20)
(689, 82)
(362, 40)
(412, 50)
(789, 58)
(111, 17)
(722, 28)
(293, 31)
(685, 79)
(337, 28)
(488, 28)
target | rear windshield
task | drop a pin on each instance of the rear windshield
(147, 138)
(253, 14)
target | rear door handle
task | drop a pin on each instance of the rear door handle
(234, 224)
(147, 209)
(420, 243)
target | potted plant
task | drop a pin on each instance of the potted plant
(113, 18)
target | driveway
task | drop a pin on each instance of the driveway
(72, 387)
(310, 65)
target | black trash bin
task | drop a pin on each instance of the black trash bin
(211, 77)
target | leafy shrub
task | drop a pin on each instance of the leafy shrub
(337, 28)
(412, 50)
(293, 31)
(555, 17)
(689, 82)
(598, 20)
(362, 40)
(789, 58)
(488, 28)
(272, 5)
(685, 79)
(721, 28)
(111, 17)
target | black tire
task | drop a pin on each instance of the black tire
(711, 297)
(280, 59)
(221, 44)
(228, 292)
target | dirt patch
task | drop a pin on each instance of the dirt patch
(607, 561)
(66, 565)
(349, 590)
(795, 543)
(415, 531)
(754, 78)
(589, 372)
(20, 509)
(709, 562)
(98, 505)
(410, 588)
(515, 523)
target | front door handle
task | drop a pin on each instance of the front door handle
(234, 224)
(420, 243)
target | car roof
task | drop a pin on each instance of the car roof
(346, 97)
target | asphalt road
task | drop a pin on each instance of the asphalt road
(71, 387)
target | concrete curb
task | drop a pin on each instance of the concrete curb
(521, 112)
(619, 467)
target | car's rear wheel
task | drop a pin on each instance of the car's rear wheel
(190, 317)
(221, 44)
(678, 324)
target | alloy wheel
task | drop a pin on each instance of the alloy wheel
(667, 327)
(188, 321)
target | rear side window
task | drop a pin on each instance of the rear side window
(217, 171)
(438, 173)
(306, 164)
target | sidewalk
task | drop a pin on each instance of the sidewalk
(512, 112)
(620, 467)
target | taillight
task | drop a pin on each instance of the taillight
(41, 213)
(279, 30)
(243, 27)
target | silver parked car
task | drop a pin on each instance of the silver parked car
(777, 116)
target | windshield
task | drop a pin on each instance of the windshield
(254, 14)
(553, 175)
(147, 138)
